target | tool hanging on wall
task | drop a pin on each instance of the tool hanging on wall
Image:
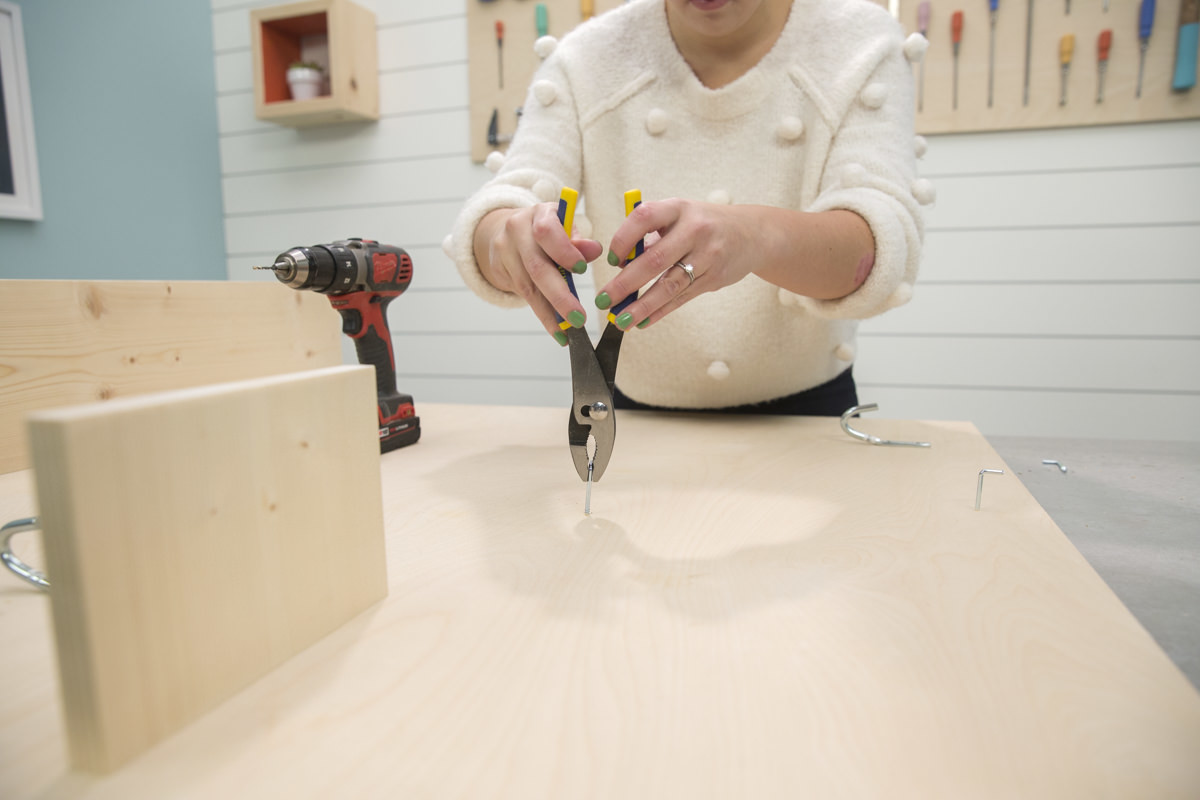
(500, 51)
(1103, 45)
(956, 29)
(923, 26)
(993, 5)
(587, 9)
(1186, 46)
(1145, 25)
(541, 20)
(1028, 50)
(1066, 49)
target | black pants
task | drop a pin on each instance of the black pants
(830, 399)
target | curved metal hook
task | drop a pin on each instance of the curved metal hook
(10, 560)
(866, 437)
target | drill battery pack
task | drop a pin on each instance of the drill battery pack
(399, 433)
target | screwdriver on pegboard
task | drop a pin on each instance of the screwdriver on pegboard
(500, 51)
(923, 27)
(956, 29)
(1145, 25)
(992, 6)
(1066, 49)
(1103, 45)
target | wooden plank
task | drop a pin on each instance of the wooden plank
(1049, 364)
(66, 342)
(423, 223)
(757, 608)
(1131, 197)
(1108, 147)
(1033, 411)
(1084, 255)
(196, 539)
(1099, 310)
(428, 136)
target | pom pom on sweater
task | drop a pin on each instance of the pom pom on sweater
(718, 370)
(544, 46)
(656, 122)
(790, 129)
(545, 190)
(448, 246)
(545, 92)
(915, 47)
(874, 95)
(495, 160)
(924, 192)
(920, 146)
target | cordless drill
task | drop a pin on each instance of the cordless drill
(361, 277)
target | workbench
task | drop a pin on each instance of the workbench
(757, 607)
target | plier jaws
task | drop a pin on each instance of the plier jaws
(592, 415)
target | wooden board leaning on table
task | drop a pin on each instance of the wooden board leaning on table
(70, 342)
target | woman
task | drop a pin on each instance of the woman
(773, 143)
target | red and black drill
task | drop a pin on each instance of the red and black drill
(361, 277)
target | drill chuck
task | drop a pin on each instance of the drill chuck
(327, 269)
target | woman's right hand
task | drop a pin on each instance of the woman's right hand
(518, 249)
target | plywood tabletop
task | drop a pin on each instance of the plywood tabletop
(757, 607)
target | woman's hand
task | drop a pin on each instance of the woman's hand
(824, 255)
(518, 250)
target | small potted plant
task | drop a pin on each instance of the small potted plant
(304, 79)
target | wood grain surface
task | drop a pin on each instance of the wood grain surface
(186, 544)
(757, 607)
(69, 342)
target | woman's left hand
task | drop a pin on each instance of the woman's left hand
(717, 242)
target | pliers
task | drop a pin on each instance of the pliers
(592, 370)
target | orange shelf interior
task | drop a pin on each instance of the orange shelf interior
(281, 47)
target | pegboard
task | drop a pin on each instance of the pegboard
(515, 58)
(936, 112)
(1009, 110)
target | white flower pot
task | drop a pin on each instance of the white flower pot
(304, 82)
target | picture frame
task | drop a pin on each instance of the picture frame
(20, 188)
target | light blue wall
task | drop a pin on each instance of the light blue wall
(125, 119)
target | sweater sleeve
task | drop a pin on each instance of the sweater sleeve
(871, 170)
(544, 155)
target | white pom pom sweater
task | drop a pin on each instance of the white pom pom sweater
(824, 121)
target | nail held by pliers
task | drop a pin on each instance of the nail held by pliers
(592, 420)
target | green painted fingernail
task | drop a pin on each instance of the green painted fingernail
(576, 318)
(580, 268)
(624, 320)
(644, 323)
(613, 259)
(603, 300)
(561, 338)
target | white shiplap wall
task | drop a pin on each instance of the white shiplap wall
(1060, 293)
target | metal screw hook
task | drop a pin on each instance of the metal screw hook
(979, 487)
(866, 437)
(9, 558)
(1050, 462)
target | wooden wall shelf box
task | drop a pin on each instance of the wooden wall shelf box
(281, 35)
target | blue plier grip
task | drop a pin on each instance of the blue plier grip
(633, 199)
(568, 198)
